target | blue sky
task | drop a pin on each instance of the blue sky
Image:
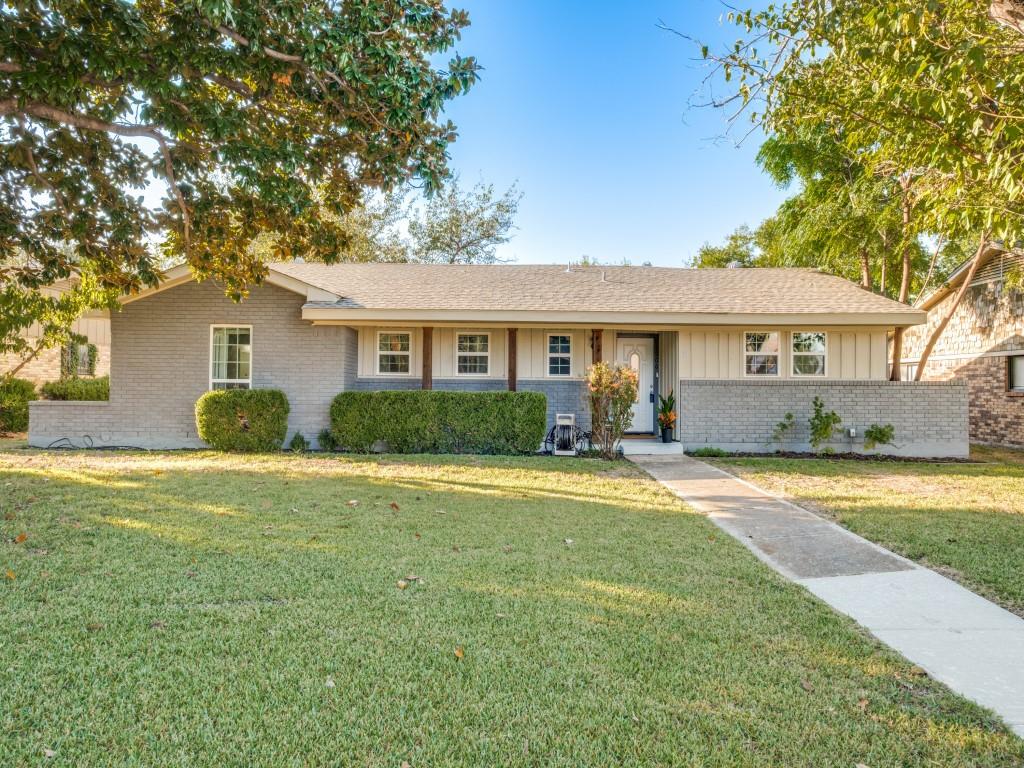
(586, 105)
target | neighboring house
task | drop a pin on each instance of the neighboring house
(46, 366)
(983, 345)
(740, 348)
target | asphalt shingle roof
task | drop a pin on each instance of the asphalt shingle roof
(593, 289)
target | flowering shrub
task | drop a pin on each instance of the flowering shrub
(613, 390)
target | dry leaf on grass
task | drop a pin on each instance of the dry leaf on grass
(459, 653)
(9, 575)
(806, 685)
(394, 505)
(863, 705)
(353, 503)
(20, 537)
(402, 583)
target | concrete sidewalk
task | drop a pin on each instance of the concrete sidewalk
(970, 644)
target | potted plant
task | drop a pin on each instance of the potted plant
(667, 416)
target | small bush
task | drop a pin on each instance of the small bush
(783, 428)
(436, 421)
(77, 389)
(613, 390)
(823, 423)
(326, 440)
(243, 419)
(877, 434)
(15, 395)
(298, 443)
(708, 453)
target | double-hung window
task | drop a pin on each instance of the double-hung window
(231, 357)
(559, 354)
(473, 354)
(761, 353)
(394, 352)
(809, 353)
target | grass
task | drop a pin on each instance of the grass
(964, 520)
(203, 610)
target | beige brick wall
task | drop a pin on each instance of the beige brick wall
(161, 365)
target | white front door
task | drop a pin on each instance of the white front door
(638, 354)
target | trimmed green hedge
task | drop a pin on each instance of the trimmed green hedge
(75, 388)
(15, 395)
(243, 419)
(435, 421)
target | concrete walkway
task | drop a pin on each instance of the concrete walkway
(970, 644)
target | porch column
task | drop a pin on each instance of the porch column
(513, 335)
(595, 344)
(427, 380)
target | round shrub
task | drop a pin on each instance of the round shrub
(15, 395)
(250, 420)
(74, 388)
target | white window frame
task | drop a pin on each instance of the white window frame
(1013, 391)
(548, 354)
(377, 351)
(745, 355)
(252, 357)
(793, 354)
(486, 354)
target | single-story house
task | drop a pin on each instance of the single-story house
(91, 358)
(740, 348)
(983, 345)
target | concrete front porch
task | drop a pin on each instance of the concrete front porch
(650, 446)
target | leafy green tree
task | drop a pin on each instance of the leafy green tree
(929, 94)
(459, 226)
(456, 226)
(260, 119)
(739, 250)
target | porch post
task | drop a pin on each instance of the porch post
(595, 344)
(427, 380)
(513, 334)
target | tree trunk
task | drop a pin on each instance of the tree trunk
(1009, 13)
(897, 354)
(885, 265)
(957, 298)
(904, 294)
(865, 269)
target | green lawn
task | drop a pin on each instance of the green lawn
(201, 610)
(965, 520)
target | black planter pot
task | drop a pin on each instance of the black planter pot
(666, 434)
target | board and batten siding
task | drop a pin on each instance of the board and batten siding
(717, 353)
(531, 357)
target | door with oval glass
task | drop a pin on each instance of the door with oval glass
(638, 354)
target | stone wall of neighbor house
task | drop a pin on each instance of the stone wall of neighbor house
(986, 329)
(161, 365)
(930, 418)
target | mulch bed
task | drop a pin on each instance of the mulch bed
(841, 457)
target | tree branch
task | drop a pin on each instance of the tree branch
(89, 123)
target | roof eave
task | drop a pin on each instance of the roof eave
(318, 313)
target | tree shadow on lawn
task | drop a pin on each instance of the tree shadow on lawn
(184, 615)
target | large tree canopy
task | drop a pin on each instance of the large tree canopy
(925, 99)
(259, 119)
